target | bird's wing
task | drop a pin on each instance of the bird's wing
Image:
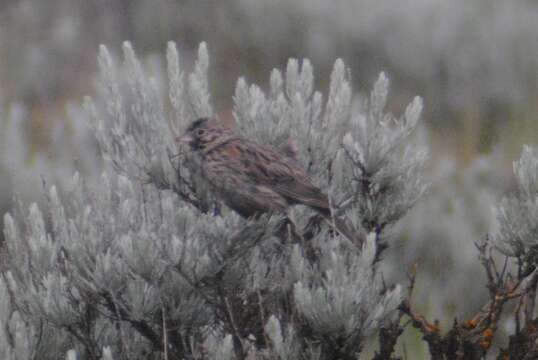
(282, 175)
(301, 190)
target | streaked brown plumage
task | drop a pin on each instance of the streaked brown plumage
(253, 179)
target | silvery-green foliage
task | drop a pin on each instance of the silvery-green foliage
(127, 265)
(48, 292)
(15, 335)
(293, 111)
(23, 336)
(107, 354)
(121, 251)
(71, 355)
(219, 347)
(518, 214)
(387, 166)
(135, 133)
(364, 158)
(342, 296)
(284, 345)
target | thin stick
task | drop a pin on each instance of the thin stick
(165, 333)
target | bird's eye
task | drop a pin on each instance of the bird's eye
(200, 132)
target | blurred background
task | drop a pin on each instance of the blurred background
(475, 63)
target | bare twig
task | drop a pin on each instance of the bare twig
(237, 341)
(529, 298)
(165, 333)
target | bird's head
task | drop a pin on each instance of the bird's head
(204, 133)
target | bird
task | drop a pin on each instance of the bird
(253, 179)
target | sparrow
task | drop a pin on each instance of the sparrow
(252, 179)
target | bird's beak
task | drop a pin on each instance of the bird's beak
(185, 139)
